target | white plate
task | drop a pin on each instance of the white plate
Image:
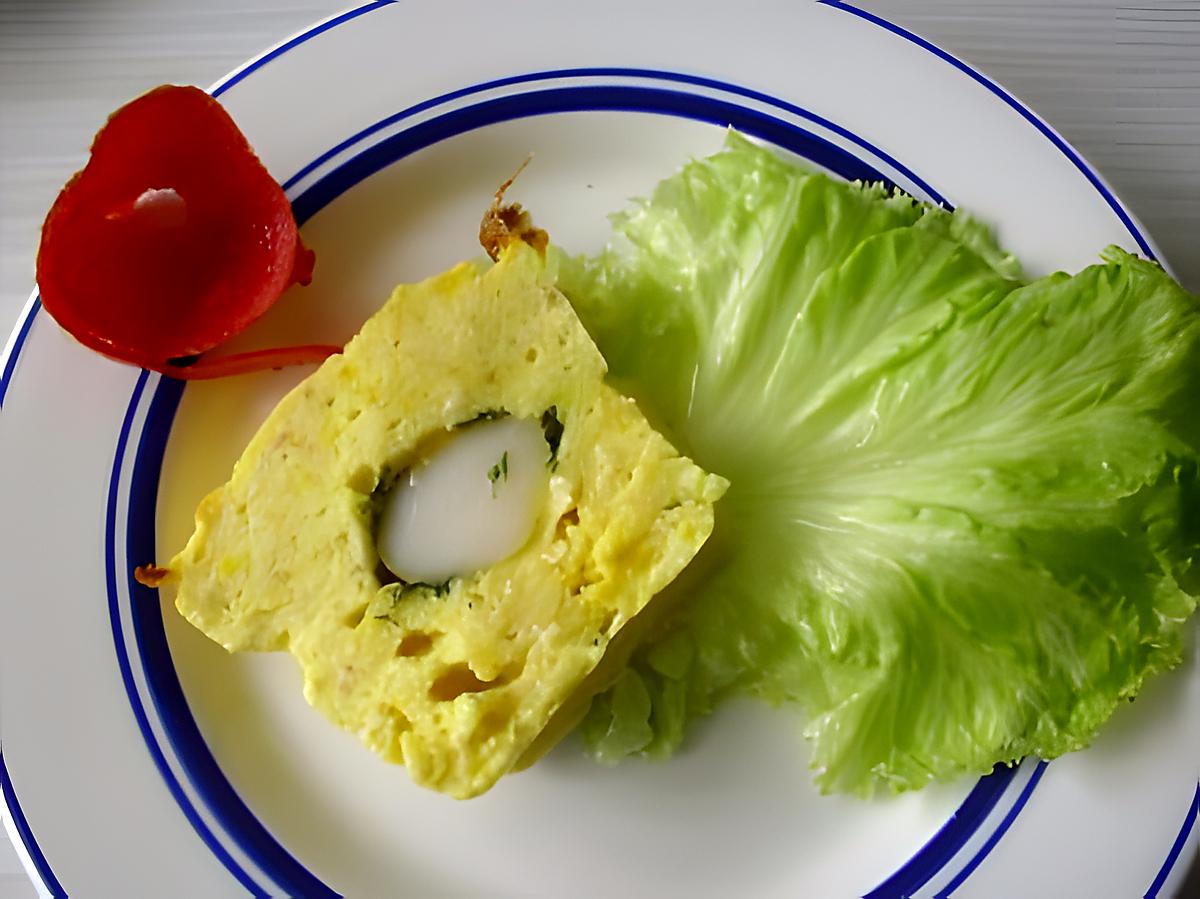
(140, 760)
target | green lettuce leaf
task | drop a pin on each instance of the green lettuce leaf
(964, 516)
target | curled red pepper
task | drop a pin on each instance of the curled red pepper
(172, 239)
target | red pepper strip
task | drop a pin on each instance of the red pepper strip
(207, 367)
(172, 239)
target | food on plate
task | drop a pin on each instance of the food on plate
(964, 520)
(172, 239)
(961, 522)
(470, 664)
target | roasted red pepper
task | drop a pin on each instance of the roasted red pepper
(171, 240)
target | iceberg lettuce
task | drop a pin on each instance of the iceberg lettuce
(964, 518)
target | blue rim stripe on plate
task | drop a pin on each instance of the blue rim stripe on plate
(167, 694)
(114, 615)
(987, 847)
(20, 334)
(950, 838)
(1024, 111)
(1185, 831)
(588, 98)
(49, 881)
(390, 149)
(619, 72)
(234, 77)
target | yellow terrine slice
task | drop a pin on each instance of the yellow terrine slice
(458, 681)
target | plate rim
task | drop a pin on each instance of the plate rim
(17, 338)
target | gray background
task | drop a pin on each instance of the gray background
(1121, 81)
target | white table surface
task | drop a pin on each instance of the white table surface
(1121, 81)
